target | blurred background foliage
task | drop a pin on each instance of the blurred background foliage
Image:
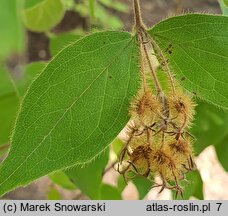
(33, 31)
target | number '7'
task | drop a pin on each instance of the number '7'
(219, 205)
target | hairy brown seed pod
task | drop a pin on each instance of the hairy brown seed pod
(183, 149)
(140, 159)
(182, 109)
(164, 163)
(180, 146)
(144, 108)
(137, 161)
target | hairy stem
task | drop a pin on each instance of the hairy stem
(142, 70)
(137, 15)
(142, 39)
(161, 55)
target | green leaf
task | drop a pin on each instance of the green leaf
(108, 192)
(210, 126)
(11, 37)
(9, 104)
(91, 8)
(198, 53)
(44, 15)
(117, 145)
(222, 152)
(194, 187)
(107, 20)
(116, 5)
(162, 78)
(61, 179)
(53, 194)
(224, 7)
(10, 97)
(74, 109)
(143, 186)
(31, 3)
(69, 4)
(59, 42)
(6, 82)
(30, 71)
(89, 178)
(121, 184)
(103, 19)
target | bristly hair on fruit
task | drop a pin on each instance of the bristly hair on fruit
(158, 142)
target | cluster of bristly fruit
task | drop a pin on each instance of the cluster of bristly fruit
(158, 141)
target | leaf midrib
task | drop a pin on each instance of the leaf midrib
(70, 59)
(15, 170)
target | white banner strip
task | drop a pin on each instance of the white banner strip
(113, 208)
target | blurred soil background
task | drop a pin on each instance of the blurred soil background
(153, 11)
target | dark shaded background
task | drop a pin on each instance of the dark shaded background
(153, 11)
